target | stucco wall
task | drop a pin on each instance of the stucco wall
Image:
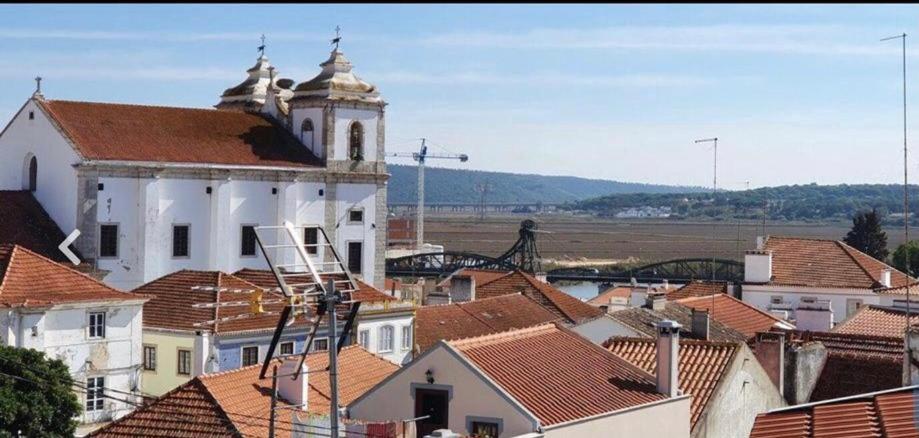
(166, 376)
(57, 183)
(229, 348)
(471, 396)
(374, 323)
(668, 419)
(745, 392)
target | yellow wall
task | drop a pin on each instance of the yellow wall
(165, 378)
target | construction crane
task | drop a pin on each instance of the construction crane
(420, 157)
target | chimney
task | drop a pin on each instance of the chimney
(885, 277)
(666, 285)
(758, 266)
(201, 356)
(668, 356)
(911, 358)
(814, 315)
(760, 242)
(294, 391)
(655, 301)
(700, 324)
(770, 351)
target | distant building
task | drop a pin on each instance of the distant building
(543, 380)
(642, 322)
(816, 283)
(154, 190)
(93, 328)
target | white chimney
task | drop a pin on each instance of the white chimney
(668, 356)
(760, 242)
(202, 362)
(294, 391)
(885, 277)
(758, 266)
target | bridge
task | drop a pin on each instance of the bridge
(524, 255)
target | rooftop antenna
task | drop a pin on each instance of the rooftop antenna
(714, 141)
(902, 37)
(337, 38)
(261, 48)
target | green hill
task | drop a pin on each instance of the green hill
(809, 202)
(458, 186)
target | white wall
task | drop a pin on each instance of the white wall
(599, 329)
(669, 418)
(343, 119)
(62, 333)
(374, 323)
(57, 179)
(472, 396)
(761, 295)
(315, 114)
(351, 196)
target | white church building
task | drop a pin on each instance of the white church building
(157, 189)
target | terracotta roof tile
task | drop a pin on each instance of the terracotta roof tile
(643, 320)
(877, 321)
(171, 306)
(850, 358)
(558, 302)
(558, 375)
(481, 276)
(886, 414)
(236, 403)
(109, 131)
(30, 280)
(603, 298)
(476, 318)
(703, 364)
(698, 289)
(24, 222)
(734, 313)
(265, 279)
(825, 263)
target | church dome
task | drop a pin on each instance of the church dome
(254, 89)
(337, 81)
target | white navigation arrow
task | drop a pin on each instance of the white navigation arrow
(67, 252)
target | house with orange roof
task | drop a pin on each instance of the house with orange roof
(879, 321)
(156, 189)
(385, 325)
(543, 380)
(881, 414)
(728, 385)
(816, 283)
(735, 314)
(93, 328)
(237, 403)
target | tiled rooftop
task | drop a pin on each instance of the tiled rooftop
(476, 318)
(481, 276)
(697, 288)
(558, 375)
(735, 314)
(30, 280)
(703, 364)
(558, 302)
(887, 414)
(236, 403)
(825, 263)
(850, 358)
(24, 222)
(643, 320)
(109, 131)
(878, 321)
(265, 279)
(603, 298)
(172, 298)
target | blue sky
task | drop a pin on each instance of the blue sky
(796, 94)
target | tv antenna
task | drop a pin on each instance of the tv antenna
(714, 141)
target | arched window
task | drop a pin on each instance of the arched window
(306, 133)
(356, 142)
(33, 174)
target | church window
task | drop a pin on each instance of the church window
(108, 241)
(356, 142)
(248, 240)
(33, 174)
(306, 133)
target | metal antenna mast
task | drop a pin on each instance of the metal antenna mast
(902, 37)
(483, 189)
(714, 141)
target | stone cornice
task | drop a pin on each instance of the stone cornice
(371, 174)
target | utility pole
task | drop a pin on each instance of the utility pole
(274, 401)
(714, 141)
(332, 298)
(483, 189)
(902, 37)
